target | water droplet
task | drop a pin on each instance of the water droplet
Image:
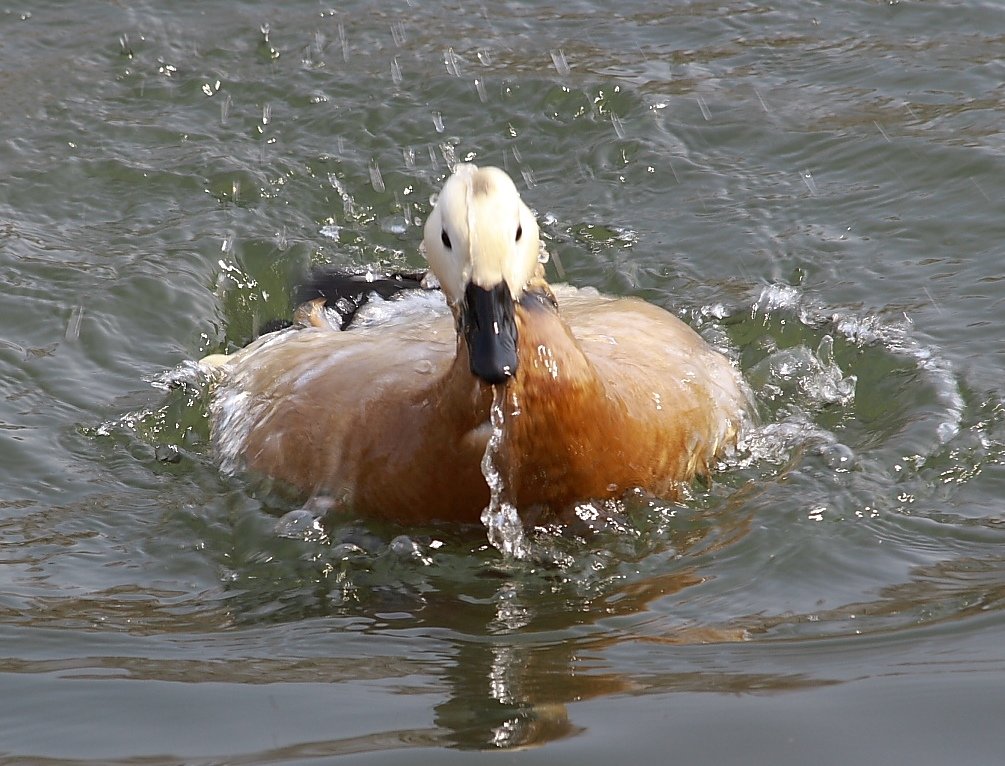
(810, 183)
(980, 188)
(394, 224)
(449, 154)
(450, 61)
(505, 530)
(619, 127)
(343, 40)
(376, 180)
(704, 107)
(480, 87)
(398, 32)
(73, 326)
(561, 65)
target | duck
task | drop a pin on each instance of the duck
(390, 418)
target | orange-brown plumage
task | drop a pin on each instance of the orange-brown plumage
(604, 407)
(388, 420)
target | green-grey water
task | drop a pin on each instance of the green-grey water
(817, 187)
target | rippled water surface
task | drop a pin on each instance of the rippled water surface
(817, 187)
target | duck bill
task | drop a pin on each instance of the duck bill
(488, 319)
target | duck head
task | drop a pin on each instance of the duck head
(482, 243)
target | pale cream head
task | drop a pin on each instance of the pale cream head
(481, 232)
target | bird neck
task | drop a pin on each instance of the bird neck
(559, 416)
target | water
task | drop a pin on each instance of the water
(501, 518)
(817, 187)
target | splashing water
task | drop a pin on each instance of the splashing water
(871, 330)
(500, 518)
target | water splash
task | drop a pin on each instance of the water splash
(505, 531)
(802, 377)
(864, 331)
(187, 374)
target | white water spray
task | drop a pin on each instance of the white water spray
(500, 518)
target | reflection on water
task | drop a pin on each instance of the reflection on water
(815, 187)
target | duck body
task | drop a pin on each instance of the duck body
(370, 418)
(390, 419)
(614, 394)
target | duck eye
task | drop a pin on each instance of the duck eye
(519, 232)
(445, 239)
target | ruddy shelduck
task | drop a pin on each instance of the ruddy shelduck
(390, 417)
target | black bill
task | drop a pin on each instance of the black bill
(489, 324)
